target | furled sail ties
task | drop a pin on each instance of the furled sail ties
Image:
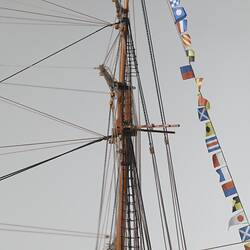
(220, 165)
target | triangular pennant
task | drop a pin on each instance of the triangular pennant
(203, 102)
(199, 82)
(238, 219)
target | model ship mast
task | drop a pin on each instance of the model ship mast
(124, 116)
(130, 226)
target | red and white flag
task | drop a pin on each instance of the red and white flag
(238, 219)
(218, 160)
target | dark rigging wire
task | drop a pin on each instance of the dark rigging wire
(49, 116)
(151, 146)
(7, 176)
(54, 88)
(46, 142)
(40, 148)
(174, 193)
(47, 66)
(47, 233)
(74, 11)
(226, 245)
(55, 53)
(43, 8)
(48, 15)
(103, 187)
(44, 20)
(59, 230)
(77, 25)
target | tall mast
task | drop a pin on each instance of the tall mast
(130, 226)
(124, 116)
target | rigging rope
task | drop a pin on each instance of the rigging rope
(51, 117)
(46, 142)
(153, 156)
(39, 7)
(226, 245)
(47, 233)
(111, 48)
(47, 20)
(58, 230)
(54, 53)
(54, 88)
(106, 213)
(103, 188)
(7, 176)
(40, 148)
(142, 216)
(175, 200)
(48, 15)
(74, 11)
(48, 66)
(78, 25)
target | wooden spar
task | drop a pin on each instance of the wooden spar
(124, 116)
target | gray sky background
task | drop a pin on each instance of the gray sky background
(65, 193)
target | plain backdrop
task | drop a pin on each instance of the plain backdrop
(66, 192)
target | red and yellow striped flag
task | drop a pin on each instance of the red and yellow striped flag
(186, 40)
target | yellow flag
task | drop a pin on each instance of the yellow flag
(190, 54)
(209, 129)
(199, 82)
(247, 246)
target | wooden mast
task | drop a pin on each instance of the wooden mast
(124, 117)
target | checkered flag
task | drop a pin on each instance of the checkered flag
(175, 3)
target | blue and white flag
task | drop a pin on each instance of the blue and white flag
(224, 174)
(203, 114)
(175, 3)
(182, 26)
(245, 233)
(179, 14)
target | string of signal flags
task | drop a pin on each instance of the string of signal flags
(219, 163)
